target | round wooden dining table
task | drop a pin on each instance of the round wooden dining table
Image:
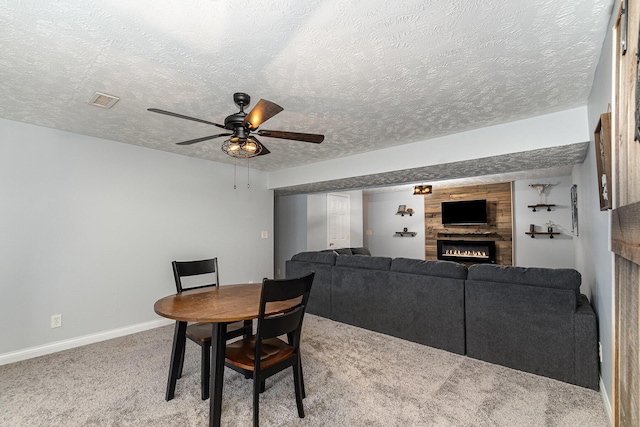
(217, 305)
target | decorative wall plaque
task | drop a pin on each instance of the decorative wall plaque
(602, 136)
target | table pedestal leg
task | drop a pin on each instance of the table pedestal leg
(218, 343)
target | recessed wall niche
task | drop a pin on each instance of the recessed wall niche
(499, 227)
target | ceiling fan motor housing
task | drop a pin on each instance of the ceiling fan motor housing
(241, 99)
(235, 121)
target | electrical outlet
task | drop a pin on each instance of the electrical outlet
(56, 320)
(368, 232)
(600, 351)
(278, 271)
(265, 234)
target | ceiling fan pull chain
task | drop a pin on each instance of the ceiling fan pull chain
(248, 186)
(235, 167)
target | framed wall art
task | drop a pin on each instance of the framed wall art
(602, 136)
(574, 209)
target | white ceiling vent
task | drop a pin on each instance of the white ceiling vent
(103, 100)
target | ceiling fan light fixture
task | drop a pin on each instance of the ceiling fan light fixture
(241, 149)
(251, 147)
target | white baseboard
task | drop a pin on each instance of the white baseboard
(41, 350)
(606, 401)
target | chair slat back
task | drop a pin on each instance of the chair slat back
(283, 290)
(208, 267)
(276, 325)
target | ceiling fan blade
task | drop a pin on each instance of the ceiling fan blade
(296, 136)
(263, 149)
(180, 116)
(204, 138)
(262, 112)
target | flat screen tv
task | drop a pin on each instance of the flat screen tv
(464, 212)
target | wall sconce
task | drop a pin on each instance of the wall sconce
(421, 190)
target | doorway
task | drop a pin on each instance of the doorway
(338, 221)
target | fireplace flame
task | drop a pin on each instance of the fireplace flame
(466, 254)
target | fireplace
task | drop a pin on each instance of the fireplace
(467, 251)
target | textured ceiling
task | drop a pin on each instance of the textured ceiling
(367, 74)
(544, 163)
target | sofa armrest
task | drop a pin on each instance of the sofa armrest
(586, 345)
(319, 257)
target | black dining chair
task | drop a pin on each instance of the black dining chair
(264, 354)
(191, 275)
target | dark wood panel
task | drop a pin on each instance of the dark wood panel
(628, 387)
(499, 228)
(625, 230)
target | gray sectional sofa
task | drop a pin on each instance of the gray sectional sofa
(531, 319)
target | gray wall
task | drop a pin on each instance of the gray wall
(316, 222)
(317, 219)
(593, 256)
(301, 225)
(290, 233)
(89, 228)
(542, 251)
(381, 224)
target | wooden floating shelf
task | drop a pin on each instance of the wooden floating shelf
(541, 206)
(406, 233)
(550, 234)
(483, 234)
(403, 213)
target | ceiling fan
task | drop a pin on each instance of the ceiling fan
(242, 144)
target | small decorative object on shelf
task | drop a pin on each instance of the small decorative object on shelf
(540, 189)
(402, 209)
(550, 224)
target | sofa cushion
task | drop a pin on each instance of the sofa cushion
(360, 251)
(426, 309)
(450, 269)
(328, 257)
(559, 278)
(343, 251)
(364, 262)
(322, 264)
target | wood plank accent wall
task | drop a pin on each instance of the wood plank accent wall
(625, 227)
(499, 228)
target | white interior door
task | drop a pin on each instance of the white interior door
(338, 223)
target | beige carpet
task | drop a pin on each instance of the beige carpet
(354, 377)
